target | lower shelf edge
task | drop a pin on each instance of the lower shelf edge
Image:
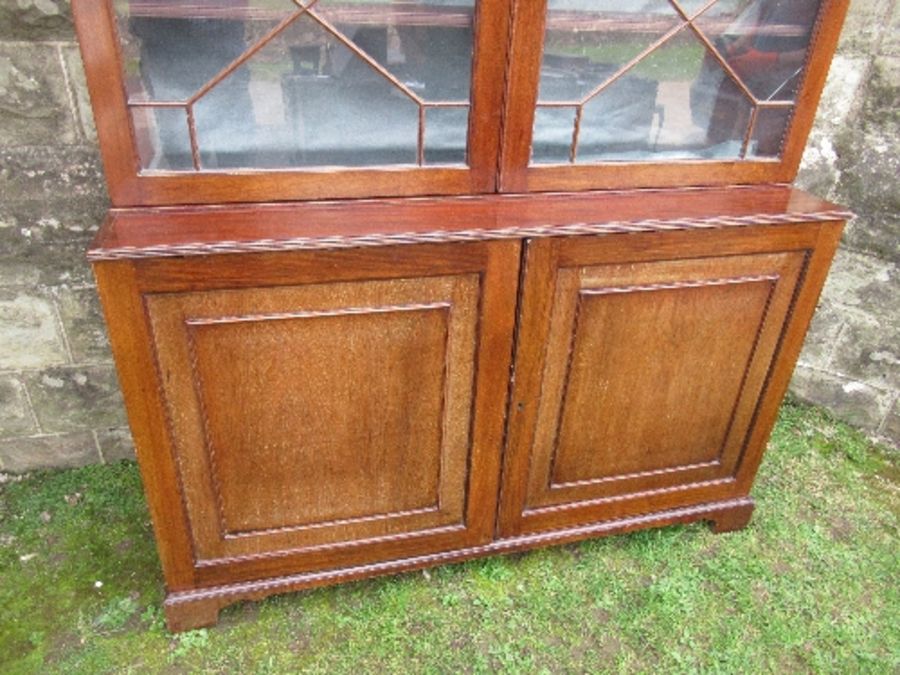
(199, 607)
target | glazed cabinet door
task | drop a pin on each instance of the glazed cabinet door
(214, 101)
(320, 410)
(624, 94)
(644, 367)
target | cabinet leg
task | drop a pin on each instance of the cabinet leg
(735, 518)
(182, 614)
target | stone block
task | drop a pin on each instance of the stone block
(859, 404)
(29, 334)
(890, 43)
(82, 319)
(869, 350)
(878, 235)
(820, 168)
(45, 242)
(29, 224)
(115, 444)
(890, 429)
(75, 69)
(49, 173)
(15, 271)
(34, 97)
(863, 282)
(871, 165)
(15, 413)
(18, 455)
(864, 26)
(31, 20)
(823, 332)
(72, 398)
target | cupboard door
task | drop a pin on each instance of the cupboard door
(255, 100)
(332, 409)
(641, 365)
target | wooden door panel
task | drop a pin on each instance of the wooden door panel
(317, 414)
(294, 458)
(325, 416)
(650, 375)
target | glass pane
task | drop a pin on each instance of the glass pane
(589, 41)
(445, 135)
(340, 84)
(768, 133)
(305, 99)
(425, 44)
(553, 128)
(677, 103)
(691, 7)
(162, 138)
(173, 48)
(764, 41)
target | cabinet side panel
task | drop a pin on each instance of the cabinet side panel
(129, 335)
(779, 376)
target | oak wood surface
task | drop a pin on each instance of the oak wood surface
(335, 373)
(641, 364)
(311, 411)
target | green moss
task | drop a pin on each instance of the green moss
(812, 584)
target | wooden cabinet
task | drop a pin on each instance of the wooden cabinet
(374, 306)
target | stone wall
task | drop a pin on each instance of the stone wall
(851, 360)
(59, 400)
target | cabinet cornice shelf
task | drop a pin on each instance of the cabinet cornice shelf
(142, 232)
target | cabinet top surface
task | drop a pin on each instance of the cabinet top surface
(206, 230)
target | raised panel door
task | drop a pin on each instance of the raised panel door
(655, 352)
(332, 409)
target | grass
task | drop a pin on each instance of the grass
(813, 584)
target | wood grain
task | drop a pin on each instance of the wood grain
(679, 330)
(137, 233)
(320, 410)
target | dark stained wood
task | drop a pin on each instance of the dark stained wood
(333, 224)
(131, 343)
(678, 329)
(343, 412)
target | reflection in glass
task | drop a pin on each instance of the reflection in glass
(315, 103)
(768, 132)
(163, 142)
(552, 135)
(445, 135)
(655, 108)
(582, 51)
(645, 83)
(270, 84)
(764, 41)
